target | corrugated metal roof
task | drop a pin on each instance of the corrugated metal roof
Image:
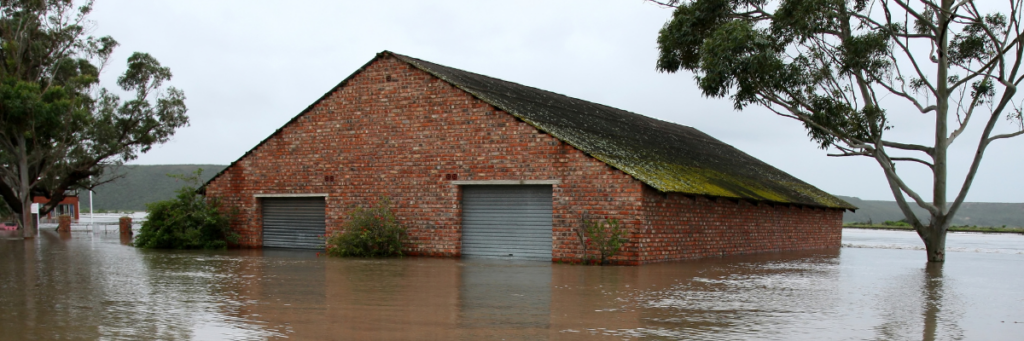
(666, 156)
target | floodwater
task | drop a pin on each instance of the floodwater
(877, 287)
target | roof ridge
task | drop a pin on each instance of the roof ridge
(401, 56)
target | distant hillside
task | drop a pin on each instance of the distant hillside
(971, 213)
(140, 185)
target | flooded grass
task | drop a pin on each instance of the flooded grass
(90, 286)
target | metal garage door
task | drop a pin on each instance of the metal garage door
(294, 222)
(507, 221)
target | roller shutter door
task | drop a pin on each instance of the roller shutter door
(295, 223)
(507, 221)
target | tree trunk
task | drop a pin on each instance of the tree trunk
(25, 191)
(934, 237)
(27, 223)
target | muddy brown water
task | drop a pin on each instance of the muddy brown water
(84, 286)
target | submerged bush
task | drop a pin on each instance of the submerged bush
(604, 236)
(188, 221)
(369, 232)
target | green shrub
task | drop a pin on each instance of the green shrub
(369, 232)
(188, 221)
(604, 236)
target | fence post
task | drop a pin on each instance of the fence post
(63, 223)
(126, 226)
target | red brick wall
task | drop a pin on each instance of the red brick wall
(676, 226)
(399, 138)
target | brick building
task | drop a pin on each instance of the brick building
(68, 206)
(479, 166)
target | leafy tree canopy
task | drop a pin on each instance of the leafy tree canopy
(828, 64)
(58, 128)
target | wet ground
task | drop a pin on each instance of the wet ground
(877, 287)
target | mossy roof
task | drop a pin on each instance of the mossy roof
(666, 156)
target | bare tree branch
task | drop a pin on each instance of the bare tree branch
(669, 3)
(923, 162)
(1006, 136)
(890, 173)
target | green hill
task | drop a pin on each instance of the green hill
(971, 213)
(141, 184)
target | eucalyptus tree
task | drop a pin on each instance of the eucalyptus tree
(843, 68)
(59, 130)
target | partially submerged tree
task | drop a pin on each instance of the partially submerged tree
(58, 129)
(827, 64)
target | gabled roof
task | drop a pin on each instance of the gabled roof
(666, 156)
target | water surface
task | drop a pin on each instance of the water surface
(878, 287)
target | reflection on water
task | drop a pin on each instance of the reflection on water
(775, 296)
(501, 294)
(939, 311)
(86, 286)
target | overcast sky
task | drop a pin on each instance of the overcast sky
(248, 66)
